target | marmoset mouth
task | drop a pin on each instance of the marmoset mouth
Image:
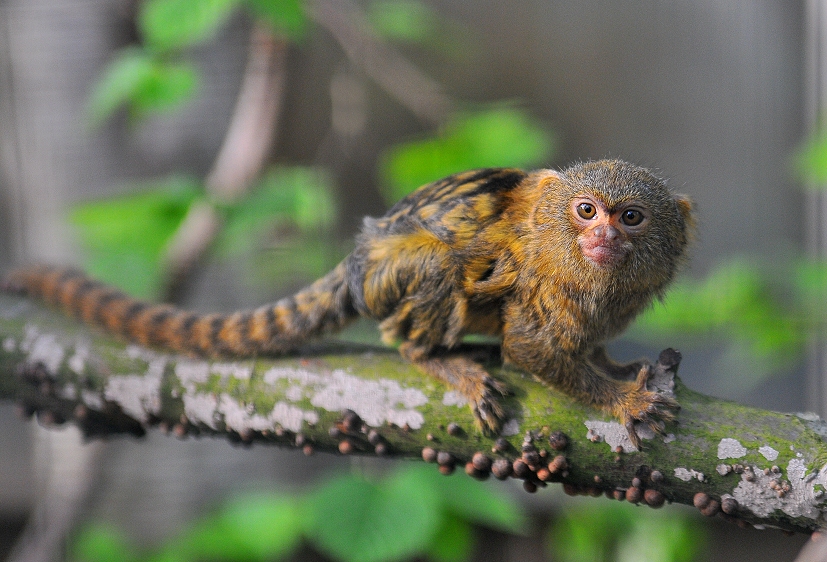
(603, 253)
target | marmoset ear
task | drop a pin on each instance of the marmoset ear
(685, 208)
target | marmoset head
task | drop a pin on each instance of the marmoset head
(609, 217)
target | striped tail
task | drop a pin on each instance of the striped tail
(274, 328)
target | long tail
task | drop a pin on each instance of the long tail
(274, 328)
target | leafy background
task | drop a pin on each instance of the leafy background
(284, 228)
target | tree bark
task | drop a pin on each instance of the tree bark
(749, 465)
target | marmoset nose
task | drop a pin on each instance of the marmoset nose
(606, 231)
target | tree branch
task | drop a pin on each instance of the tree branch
(347, 24)
(748, 465)
(250, 136)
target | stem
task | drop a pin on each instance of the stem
(411, 87)
(243, 154)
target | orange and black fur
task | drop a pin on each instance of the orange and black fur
(554, 263)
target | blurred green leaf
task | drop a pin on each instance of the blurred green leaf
(101, 543)
(165, 555)
(119, 83)
(810, 160)
(589, 532)
(453, 541)
(810, 277)
(167, 88)
(403, 20)
(423, 512)
(584, 534)
(262, 526)
(293, 262)
(287, 17)
(414, 511)
(473, 501)
(736, 298)
(268, 523)
(499, 136)
(297, 197)
(143, 84)
(124, 236)
(666, 537)
(750, 308)
(205, 539)
(417, 23)
(354, 520)
(168, 25)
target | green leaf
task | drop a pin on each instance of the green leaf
(124, 236)
(731, 296)
(666, 537)
(283, 227)
(101, 543)
(169, 85)
(268, 524)
(473, 501)
(403, 20)
(166, 554)
(587, 532)
(354, 520)
(143, 84)
(810, 279)
(498, 136)
(739, 304)
(810, 160)
(206, 539)
(262, 526)
(119, 83)
(453, 541)
(167, 25)
(287, 17)
(301, 198)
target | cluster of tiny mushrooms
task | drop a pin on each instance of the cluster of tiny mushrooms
(542, 460)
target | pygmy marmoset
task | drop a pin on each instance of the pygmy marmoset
(554, 263)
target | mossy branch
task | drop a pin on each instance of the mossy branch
(750, 465)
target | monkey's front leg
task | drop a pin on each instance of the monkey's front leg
(585, 380)
(468, 378)
(628, 401)
(635, 403)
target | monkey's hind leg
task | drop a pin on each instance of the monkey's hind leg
(467, 377)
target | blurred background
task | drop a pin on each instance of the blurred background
(222, 153)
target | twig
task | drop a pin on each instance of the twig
(252, 131)
(249, 139)
(415, 90)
